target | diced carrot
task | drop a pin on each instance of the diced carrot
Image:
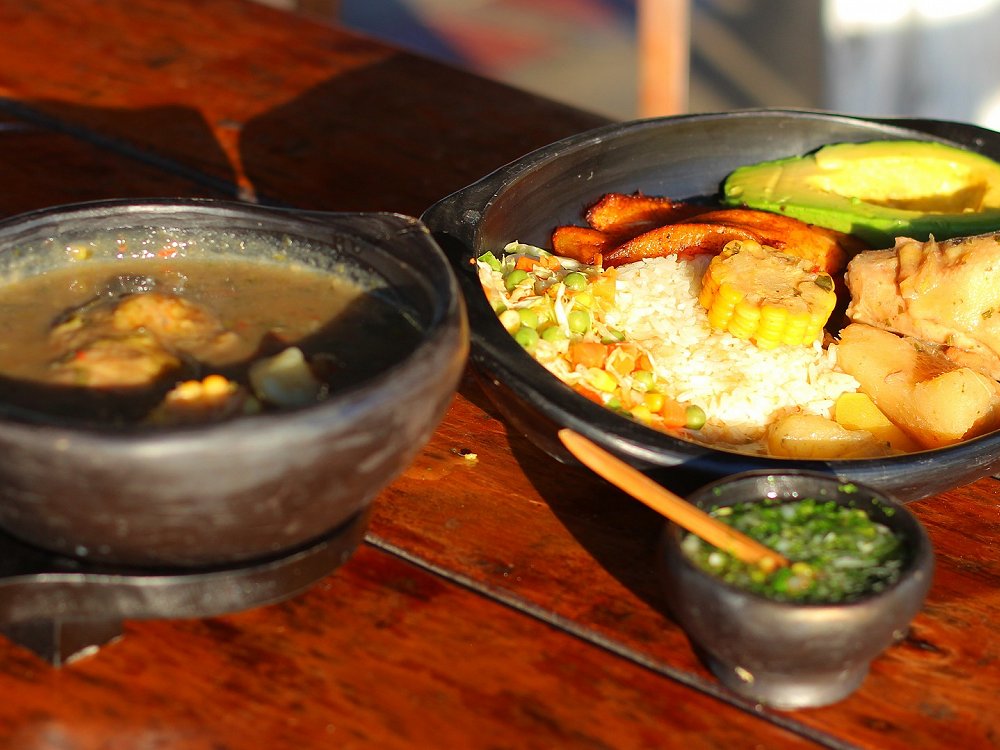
(644, 362)
(674, 413)
(604, 285)
(622, 358)
(551, 262)
(589, 393)
(587, 353)
(525, 263)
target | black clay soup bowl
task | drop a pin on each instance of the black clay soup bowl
(149, 435)
(794, 650)
(683, 158)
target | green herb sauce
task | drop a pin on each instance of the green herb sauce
(838, 553)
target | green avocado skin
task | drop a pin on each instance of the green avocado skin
(787, 186)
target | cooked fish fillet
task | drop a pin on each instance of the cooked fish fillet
(947, 293)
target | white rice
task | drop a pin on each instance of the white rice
(742, 389)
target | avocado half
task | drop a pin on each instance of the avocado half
(877, 190)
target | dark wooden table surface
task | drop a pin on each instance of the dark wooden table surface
(504, 602)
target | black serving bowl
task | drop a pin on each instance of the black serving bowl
(793, 655)
(681, 157)
(255, 486)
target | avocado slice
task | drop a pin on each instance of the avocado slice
(877, 190)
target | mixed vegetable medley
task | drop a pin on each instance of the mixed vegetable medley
(557, 308)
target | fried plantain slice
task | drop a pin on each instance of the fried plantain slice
(682, 239)
(635, 213)
(711, 230)
(581, 243)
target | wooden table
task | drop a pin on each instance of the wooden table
(502, 602)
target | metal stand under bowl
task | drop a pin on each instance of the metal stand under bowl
(63, 608)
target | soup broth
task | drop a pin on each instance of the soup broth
(106, 339)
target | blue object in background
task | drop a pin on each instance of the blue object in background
(396, 21)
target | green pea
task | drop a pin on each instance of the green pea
(514, 278)
(526, 337)
(553, 334)
(579, 321)
(643, 380)
(528, 317)
(695, 417)
(575, 281)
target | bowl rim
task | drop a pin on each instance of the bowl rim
(447, 327)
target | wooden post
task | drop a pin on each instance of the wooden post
(663, 39)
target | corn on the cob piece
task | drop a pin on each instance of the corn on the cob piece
(761, 294)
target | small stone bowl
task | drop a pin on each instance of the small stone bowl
(785, 654)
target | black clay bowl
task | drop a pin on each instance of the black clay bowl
(255, 486)
(786, 654)
(681, 157)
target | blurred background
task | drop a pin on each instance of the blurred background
(637, 58)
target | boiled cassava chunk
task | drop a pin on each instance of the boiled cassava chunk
(934, 400)
(815, 436)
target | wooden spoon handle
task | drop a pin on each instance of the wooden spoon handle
(669, 505)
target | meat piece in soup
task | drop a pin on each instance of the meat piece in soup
(88, 342)
(135, 340)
